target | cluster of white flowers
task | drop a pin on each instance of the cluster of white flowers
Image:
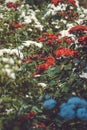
(83, 75)
(8, 111)
(82, 15)
(10, 60)
(29, 16)
(9, 73)
(43, 85)
(14, 51)
(11, 57)
(1, 16)
(29, 42)
(52, 9)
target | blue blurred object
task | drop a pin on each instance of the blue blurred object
(47, 96)
(67, 111)
(49, 104)
(82, 113)
(75, 107)
(77, 101)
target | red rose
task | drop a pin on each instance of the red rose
(42, 67)
(10, 5)
(50, 61)
(72, 2)
(29, 115)
(56, 2)
(68, 40)
(49, 42)
(78, 28)
(41, 39)
(49, 39)
(16, 25)
(59, 40)
(65, 52)
(82, 40)
(32, 114)
(52, 36)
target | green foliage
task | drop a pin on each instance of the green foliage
(22, 87)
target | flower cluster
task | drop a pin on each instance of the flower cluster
(56, 2)
(10, 62)
(78, 29)
(54, 39)
(75, 107)
(49, 104)
(16, 25)
(73, 2)
(46, 97)
(12, 4)
(50, 61)
(63, 9)
(28, 116)
(83, 40)
(49, 39)
(61, 51)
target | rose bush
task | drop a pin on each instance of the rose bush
(43, 64)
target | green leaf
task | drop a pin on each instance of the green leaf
(68, 66)
(36, 109)
(64, 88)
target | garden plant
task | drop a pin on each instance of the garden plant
(43, 65)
